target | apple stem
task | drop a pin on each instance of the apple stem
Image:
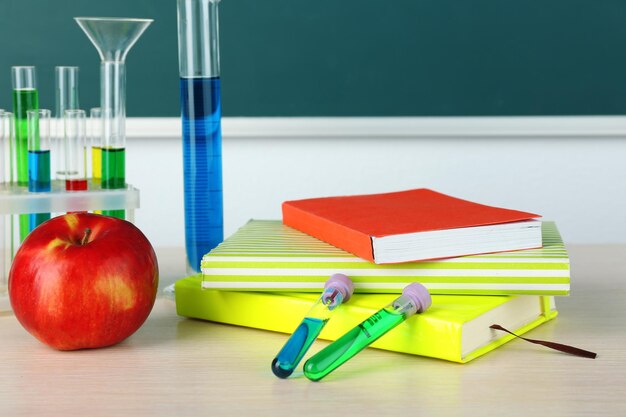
(86, 236)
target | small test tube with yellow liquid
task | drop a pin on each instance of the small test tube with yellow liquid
(95, 139)
(95, 143)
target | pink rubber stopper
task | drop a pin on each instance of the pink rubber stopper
(342, 283)
(419, 294)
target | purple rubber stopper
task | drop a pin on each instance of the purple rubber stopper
(341, 283)
(419, 295)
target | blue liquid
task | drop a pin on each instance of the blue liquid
(300, 341)
(202, 166)
(39, 171)
(38, 181)
(35, 219)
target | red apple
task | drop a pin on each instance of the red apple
(83, 281)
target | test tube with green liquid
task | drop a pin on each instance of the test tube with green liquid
(414, 299)
(25, 97)
(113, 38)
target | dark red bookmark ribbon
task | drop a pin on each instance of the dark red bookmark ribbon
(556, 346)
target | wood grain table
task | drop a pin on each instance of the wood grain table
(180, 367)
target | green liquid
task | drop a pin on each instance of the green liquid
(23, 100)
(113, 168)
(35, 219)
(351, 343)
(113, 174)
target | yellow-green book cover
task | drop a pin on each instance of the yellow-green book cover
(455, 328)
(265, 255)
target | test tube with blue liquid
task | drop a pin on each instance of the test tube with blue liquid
(198, 48)
(337, 290)
(414, 299)
(38, 158)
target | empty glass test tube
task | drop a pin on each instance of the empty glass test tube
(66, 98)
(7, 177)
(75, 150)
(7, 163)
(414, 299)
(4, 155)
(337, 290)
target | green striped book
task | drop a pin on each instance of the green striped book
(265, 255)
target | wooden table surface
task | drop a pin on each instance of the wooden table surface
(179, 367)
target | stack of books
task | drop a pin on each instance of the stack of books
(483, 265)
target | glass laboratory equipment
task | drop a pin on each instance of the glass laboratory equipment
(337, 290)
(113, 38)
(25, 97)
(66, 95)
(95, 143)
(38, 158)
(75, 150)
(414, 299)
(198, 53)
(38, 150)
(6, 148)
(7, 176)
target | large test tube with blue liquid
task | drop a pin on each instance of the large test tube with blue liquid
(198, 49)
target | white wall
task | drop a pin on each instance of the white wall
(570, 170)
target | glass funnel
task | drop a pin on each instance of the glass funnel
(113, 38)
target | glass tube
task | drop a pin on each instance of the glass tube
(38, 158)
(199, 65)
(25, 97)
(66, 94)
(337, 290)
(95, 139)
(75, 149)
(38, 150)
(414, 299)
(6, 148)
(113, 38)
(7, 178)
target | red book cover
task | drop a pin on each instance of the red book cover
(350, 222)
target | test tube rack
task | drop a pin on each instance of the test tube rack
(16, 200)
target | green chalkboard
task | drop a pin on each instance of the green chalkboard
(350, 57)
